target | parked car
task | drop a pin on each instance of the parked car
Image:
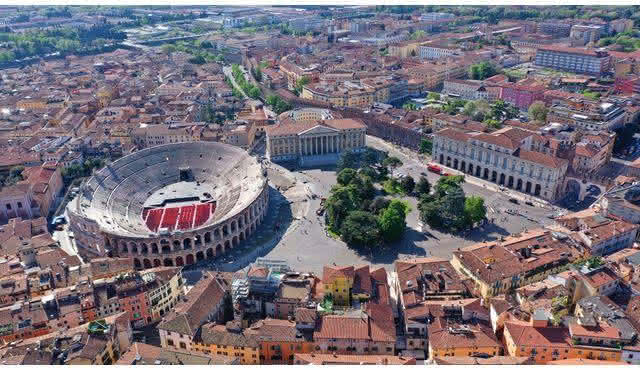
(514, 201)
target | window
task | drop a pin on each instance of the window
(8, 207)
(183, 345)
(19, 204)
(170, 342)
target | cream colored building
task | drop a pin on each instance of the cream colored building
(507, 157)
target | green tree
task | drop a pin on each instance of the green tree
(433, 96)
(340, 203)
(426, 146)
(392, 162)
(346, 176)
(393, 221)
(492, 123)
(430, 212)
(452, 208)
(538, 111)
(360, 228)
(348, 159)
(408, 184)
(446, 183)
(475, 209)
(378, 204)
(482, 70)
(301, 82)
(423, 186)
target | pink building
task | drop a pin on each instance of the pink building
(522, 96)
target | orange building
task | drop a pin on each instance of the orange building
(279, 340)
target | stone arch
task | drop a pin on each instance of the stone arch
(537, 190)
(234, 241)
(168, 262)
(225, 230)
(510, 182)
(463, 166)
(199, 256)
(210, 253)
(189, 259)
(179, 261)
(218, 249)
(125, 247)
(198, 240)
(227, 245)
(107, 243)
(494, 176)
(146, 263)
(154, 248)
(176, 245)
(157, 262)
(144, 249)
(186, 243)
(527, 188)
(234, 226)
(216, 234)
(485, 175)
(470, 170)
(166, 249)
(441, 159)
(455, 163)
(478, 171)
(448, 161)
(136, 263)
(502, 176)
(519, 184)
(241, 236)
(207, 237)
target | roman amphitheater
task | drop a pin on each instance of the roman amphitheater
(170, 205)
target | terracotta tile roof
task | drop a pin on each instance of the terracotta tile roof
(342, 327)
(200, 302)
(335, 359)
(329, 273)
(543, 159)
(495, 360)
(219, 334)
(453, 336)
(605, 332)
(274, 330)
(146, 354)
(529, 336)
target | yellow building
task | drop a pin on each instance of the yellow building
(228, 341)
(404, 49)
(337, 282)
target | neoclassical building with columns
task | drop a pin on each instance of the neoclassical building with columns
(314, 142)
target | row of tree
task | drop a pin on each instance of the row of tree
(250, 89)
(448, 208)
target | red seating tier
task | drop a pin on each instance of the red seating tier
(186, 217)
(203, 212)
(170, 218)
(153, 218)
